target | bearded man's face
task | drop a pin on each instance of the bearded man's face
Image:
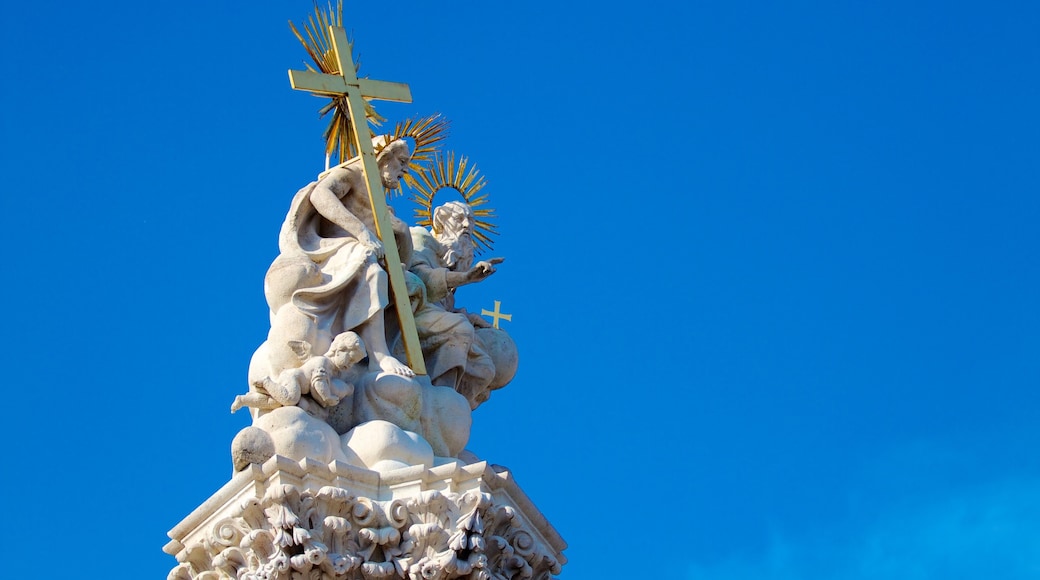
(392, 169)
(456, 234)
(460, 223)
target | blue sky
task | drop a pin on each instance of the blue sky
(773, 270)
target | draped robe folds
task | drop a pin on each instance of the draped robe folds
(324, 274)
(353, 287)
(325, 282)
(447, 337)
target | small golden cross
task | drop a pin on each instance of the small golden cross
(497, 313)
(356, 90)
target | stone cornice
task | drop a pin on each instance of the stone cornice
(306, 519)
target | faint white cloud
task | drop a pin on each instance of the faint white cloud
(983, 532)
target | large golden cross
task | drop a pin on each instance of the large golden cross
(356, 90)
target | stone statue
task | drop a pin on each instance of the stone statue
(327, 279)
(453, 340)
(322, 377)
(355, 469)
(327, 282)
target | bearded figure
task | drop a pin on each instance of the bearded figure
(462, 350)
(327, 278)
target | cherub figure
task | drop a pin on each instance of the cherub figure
(322, 377)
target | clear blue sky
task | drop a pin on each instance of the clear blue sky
(773, 270)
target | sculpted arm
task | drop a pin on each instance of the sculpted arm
(480, 271)
(435, 279)
(440, 281)
(328, 204)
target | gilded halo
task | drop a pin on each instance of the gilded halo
(426, 133)
(464, 178)
(319, 46)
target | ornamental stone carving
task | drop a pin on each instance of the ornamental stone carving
(307, 521)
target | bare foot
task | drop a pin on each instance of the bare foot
(389, 364)
(237, 404)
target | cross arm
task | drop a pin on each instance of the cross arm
(336, 85)
(385, 91)
(315, 82)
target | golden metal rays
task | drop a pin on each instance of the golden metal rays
(319, 47)
(429, 170)
(425, 134)
(464, 178)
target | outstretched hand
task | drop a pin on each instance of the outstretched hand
(483, 269)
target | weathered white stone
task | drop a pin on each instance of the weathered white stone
(439, 414)
(297, 434)
(251, 445)
(453, 340)
(502, 350)
(327, 283)
(285, 520)
(354, 471)
(327, 278)
(383, 446)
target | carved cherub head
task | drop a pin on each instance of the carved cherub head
(346, 350)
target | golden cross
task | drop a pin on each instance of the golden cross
(356, 90)
(497, 313)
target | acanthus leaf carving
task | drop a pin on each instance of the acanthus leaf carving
(330, 534)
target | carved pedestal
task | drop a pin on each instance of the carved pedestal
(310, 521)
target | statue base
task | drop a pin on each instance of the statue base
(286, 520)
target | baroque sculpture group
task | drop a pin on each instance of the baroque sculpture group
(355, 465)
(330, 382)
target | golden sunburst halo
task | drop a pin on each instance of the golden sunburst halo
(318, 45)
(426, 133)
(464, 178)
